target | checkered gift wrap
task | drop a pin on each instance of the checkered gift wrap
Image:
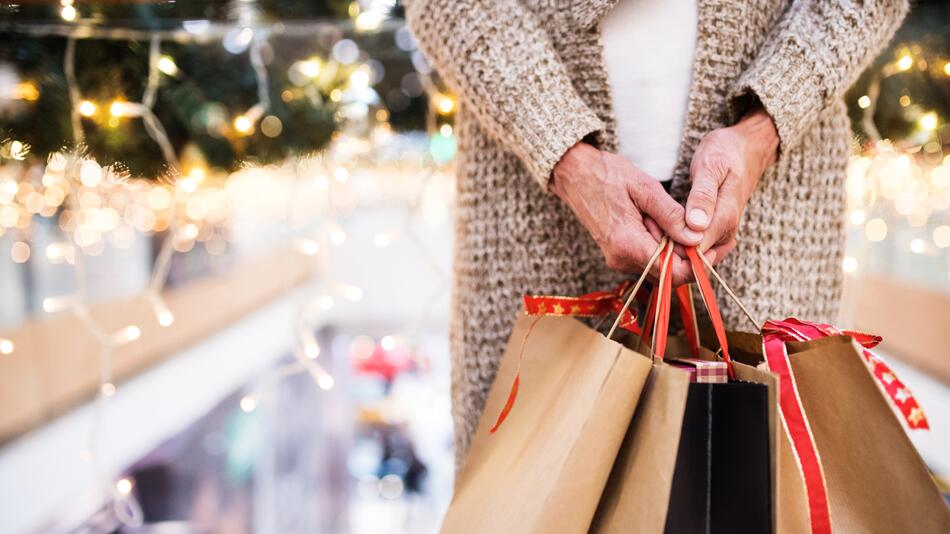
(703, 371)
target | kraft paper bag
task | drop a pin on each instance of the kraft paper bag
(876, 481)
(545, 468)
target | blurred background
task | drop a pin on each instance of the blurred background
(225, 260)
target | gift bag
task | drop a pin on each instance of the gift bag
(573, 395)
(853, 467)
(698, 457)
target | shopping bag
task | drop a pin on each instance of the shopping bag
(698, 457)
(544, 469)
(857, 469)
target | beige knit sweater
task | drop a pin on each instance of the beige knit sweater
(531, 82)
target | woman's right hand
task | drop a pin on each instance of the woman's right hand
(617, 203)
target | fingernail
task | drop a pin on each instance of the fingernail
(691, 235)
(698, 217)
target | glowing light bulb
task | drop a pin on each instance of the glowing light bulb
(311, 67)
(167, 65)
(444, 104)
(107, 389)
(326, 382)
(243, 125)
(6, 346)
(388, 342)
(864, 102)
(905, 62)
(87, 108)
(341, 175)
(248, 403)
(128, 334)
(928, 121)
(308, 246)
(337, 236)
(849, 264)
(68, 13)
(124, 486)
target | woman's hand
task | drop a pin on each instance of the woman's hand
(618, 203)
(725, 170)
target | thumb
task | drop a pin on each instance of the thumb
(652, 200)
(706, 177)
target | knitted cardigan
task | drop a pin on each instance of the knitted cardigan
(531, 82)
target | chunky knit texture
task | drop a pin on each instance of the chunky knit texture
(531, 83)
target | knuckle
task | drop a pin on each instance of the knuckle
(703, 194)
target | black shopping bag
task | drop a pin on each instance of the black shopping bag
(722, 480)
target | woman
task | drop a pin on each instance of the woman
(759, 145)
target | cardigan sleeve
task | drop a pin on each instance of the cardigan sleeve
(501, 64)
(814, 53)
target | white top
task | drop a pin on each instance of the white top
(648, 49)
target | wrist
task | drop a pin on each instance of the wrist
(762, 139)
(577, 157)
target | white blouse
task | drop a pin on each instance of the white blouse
(648, 48)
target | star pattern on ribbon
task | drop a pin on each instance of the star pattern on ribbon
(596, 304)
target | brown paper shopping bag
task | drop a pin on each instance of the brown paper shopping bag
(839, 405)
(544, 470)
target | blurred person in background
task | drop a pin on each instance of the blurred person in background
(588, 128)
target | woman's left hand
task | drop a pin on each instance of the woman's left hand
(725, 170)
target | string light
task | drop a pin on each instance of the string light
(928, 121)
(905, 62)
(248, 403)
(167, 65)
(6, 346)
(864, 102)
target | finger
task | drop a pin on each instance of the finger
(718, 253)
(653, 228)
(706, 174)
(682, 273)
(724, 225)
(650, 197)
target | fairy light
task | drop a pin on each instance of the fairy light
(68, 13)
(6, 346)
(311, 67)
(124, 486)
(307, 246)
(946, 68)
(243, 125)
(160, 310)
(928, 121)
(444, 104)
(121, 108)
(387, 342)
(126, 335)
(905, 62)
(864, 102)
(248, 404)
(167, 65)
(308, 341)
(107, 389)
(87, 108)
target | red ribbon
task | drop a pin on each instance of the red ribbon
(596, 304)
(774, 336)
